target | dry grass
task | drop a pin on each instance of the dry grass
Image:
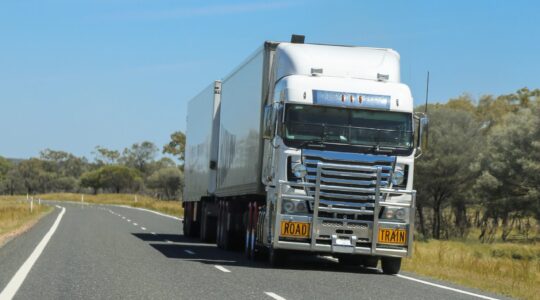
(509, 269)
(15, 214)
(173, 208)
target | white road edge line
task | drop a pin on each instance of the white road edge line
(446, 287)
(222, 269)
(274, 295)
(153, 233)
(17, 280)
(151, 211)
(189, 252)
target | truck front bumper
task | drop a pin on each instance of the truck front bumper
(342, 234)
(334, 236)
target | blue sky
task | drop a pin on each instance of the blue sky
(76, 74)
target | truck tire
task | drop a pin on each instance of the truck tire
(257, 251)
(208, 224)
(188, 219)
(220, 225)
(391, 265)
(249, 232)
(225, 238)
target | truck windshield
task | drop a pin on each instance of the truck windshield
(306, 124)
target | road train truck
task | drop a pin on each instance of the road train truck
(306, 148)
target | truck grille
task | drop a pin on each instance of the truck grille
(341, 204)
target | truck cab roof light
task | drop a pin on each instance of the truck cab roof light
(298, 38)
(316, 71)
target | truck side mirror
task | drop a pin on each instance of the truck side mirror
(268, 122)
(422, 136)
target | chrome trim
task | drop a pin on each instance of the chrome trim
(337, 203)
(359, 231)
(346, 196)
(342, 174)
(347, 156)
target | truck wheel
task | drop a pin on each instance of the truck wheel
(276, 257)
(187, 220)
(248, 235)
(391, 265)
(257, 252)
(225, 232)
(222, 225)
(219, 221)
(208, 224)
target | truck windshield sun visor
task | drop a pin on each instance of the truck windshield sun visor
(375, 131)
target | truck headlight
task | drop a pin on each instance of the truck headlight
(395, 213)
(299, 170)
(399, 175)
(294, 207)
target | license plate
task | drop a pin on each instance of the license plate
(392, 236)
(295, 229)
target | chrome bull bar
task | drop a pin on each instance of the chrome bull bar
(379, 192)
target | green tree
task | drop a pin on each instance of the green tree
(508, 183)
(177, 145)
(166, 182)
(91, 179)
(104, 156)
(119, 178)
(139, 156)
(34, 176)
(445, 171)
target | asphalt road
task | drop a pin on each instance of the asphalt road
(110, 252)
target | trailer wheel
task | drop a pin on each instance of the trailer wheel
(248, 235)
(188, 219)
(391, 265)
(208, 224)
(220, 225)
(225, 232)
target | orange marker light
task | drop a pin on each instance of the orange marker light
(342, 98)
(359, 99)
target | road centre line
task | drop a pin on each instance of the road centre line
(152, 233)
(135, 224)
(143, 228)
(124, 218)
(274, 295)
(17, 280)
(189, 252)
(445, 287)
(222, 269)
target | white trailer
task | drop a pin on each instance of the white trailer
(306, 147)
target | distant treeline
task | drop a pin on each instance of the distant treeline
(482, 168)
(134, 170)
(480, 173)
